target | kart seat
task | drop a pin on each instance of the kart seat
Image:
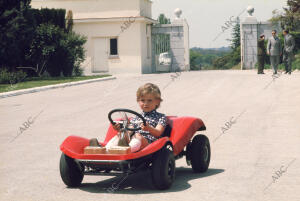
(168, 129)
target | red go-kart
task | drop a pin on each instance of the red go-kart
(178, 140)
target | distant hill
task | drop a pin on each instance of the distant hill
(212, 51)
(203, 58)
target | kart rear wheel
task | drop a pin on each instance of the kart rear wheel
(163, 169)
(71, 171)
(188, 155)
(200, 153)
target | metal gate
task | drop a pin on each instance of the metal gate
(161, 44)
(170, 49)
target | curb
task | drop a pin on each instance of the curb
(49, 87)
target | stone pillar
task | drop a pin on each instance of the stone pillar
(249, 37)
(180, 47)
(179, 43)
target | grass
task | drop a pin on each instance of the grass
(39, 82)
(236, 67)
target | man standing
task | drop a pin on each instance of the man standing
(274, 50)
(288, 51)
(261, 53)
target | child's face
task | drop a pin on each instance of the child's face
(148, 102)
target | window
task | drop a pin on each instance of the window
(113, 46)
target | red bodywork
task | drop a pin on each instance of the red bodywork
(183, 129)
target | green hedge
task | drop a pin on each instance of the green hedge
(296, 36)
(49, 16)
(56, 51)
(38, 38)
(7, 77)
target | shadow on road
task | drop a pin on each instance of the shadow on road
(141, 183)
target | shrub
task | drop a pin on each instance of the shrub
(229, 60)
(72, 45)
(7, 77)
(296, 62)
(296, 36)
(15, 32)
(56, 51)
(38, 39)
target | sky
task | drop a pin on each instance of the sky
(206, 17)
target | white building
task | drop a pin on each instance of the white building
(122, 38)
(118, 33)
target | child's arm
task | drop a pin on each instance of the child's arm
(156, 132)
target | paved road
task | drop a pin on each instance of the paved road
(263, 137)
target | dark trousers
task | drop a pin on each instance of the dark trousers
(274, 60)
(261, 63)
(287, 60)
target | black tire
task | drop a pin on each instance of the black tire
(200, 153)
(71, 172)
(163, 169)
(188, 155)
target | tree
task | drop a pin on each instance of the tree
(69, 20)
(15, 32)
(195, 60)
(162, 19)
(55, 51)
(236, 35)
(290, 17)
(234, 57)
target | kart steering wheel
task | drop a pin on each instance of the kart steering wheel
(126, 120)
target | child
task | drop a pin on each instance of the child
(148, 98)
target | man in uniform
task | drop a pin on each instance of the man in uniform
(261, 53)
(274, 50)
(288, 51)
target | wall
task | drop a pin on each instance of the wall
(251, 29)
(179, 43)
(146, 53)
(186, 46)
(146, 8)
(93, 8)
(104, 18)
(128, 44)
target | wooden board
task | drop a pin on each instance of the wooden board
(94, 150)
(119, 150)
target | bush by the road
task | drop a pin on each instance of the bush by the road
(38, 39)
(7, 77)
(229, 60)
(55, 51)
(296, 62)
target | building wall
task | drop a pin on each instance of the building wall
(179, 44)
(146, 8)
(251, 29)
(267, 27)
(95, 8)
(146, 46)
(129, 44)
(249, 37)
(98, 19)
(186, 45)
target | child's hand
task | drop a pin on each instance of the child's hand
(145, 128)
(117, 127)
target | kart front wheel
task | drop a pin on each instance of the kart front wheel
(200, 153)
(163, 169)
(71, 172)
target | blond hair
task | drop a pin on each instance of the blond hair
(149, 88)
